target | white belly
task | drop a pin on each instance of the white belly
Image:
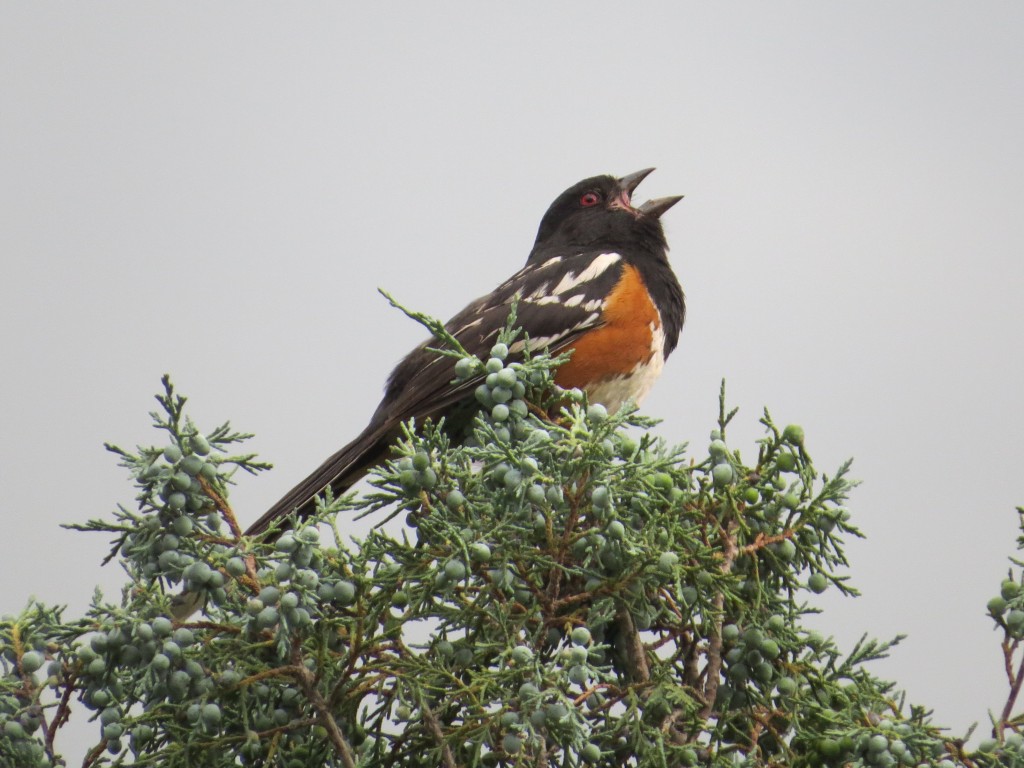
(612, 393)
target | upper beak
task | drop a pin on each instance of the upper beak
(631, 181)
(652, 208)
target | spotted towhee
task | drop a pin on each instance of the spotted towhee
(597, 282)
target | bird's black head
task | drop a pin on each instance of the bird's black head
(599, 212)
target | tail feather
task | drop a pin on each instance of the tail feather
(347, 466)
(339, 472)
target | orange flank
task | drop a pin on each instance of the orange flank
(621, 343)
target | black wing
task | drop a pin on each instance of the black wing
(558, 300)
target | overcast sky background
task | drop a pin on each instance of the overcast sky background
(216, 191)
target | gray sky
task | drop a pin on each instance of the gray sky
(216, 191)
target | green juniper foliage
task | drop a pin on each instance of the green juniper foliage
(566, 591)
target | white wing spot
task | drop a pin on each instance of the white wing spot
(536, 343)
(540, 293)
(596, 267)
(468, 325)
(573, 301)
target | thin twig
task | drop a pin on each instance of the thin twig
(762, 541)
(1008, 649)
(713, 669)
(435, 730)
(590, 692)
(62, 715)
(763, 719)
(1015, 686)
(222, 506)
(323, 711)
(93, 755)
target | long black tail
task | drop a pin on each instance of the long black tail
(340, 472)
(348, 466)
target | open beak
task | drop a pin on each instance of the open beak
(653, 208)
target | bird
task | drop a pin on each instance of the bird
(597, 282)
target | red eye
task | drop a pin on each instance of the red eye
(589, 199)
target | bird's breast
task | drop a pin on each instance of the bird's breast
(622, 357)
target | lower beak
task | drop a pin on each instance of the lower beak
(659, 205)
